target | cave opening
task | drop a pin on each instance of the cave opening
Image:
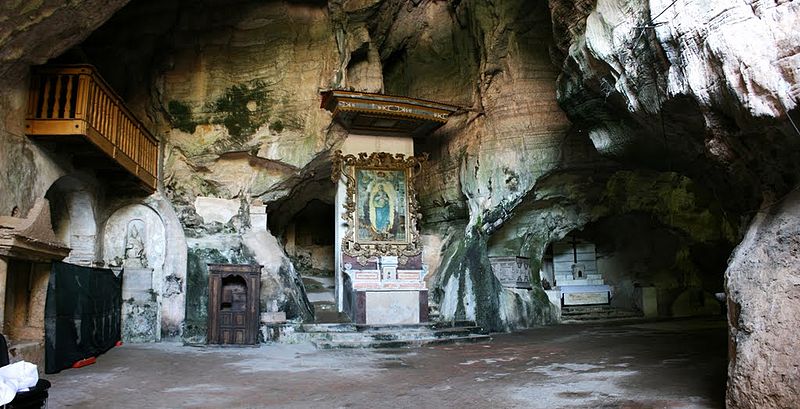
(650, 269)
(307, 232)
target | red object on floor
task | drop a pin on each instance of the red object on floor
(84, 362)
(118, 344)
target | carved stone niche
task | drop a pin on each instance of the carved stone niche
(31, 238)
(233, 295)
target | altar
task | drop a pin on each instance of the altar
(379, 273)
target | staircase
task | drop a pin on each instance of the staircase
(319, 289)
(326, 312)
(584, 313)
(327, 336)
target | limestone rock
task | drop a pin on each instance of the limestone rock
(706, 89)
(31, 32)
(763, 300)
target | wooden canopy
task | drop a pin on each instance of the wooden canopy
(385, 115)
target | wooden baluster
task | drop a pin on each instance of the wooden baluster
(98, 99)
(137, 142)
(134, 141)
(68, 108)
(106, 115)
(91, 112)
(99, 107)
(111, 132)
(104, 109)
(147, 154)
(96, 106)
(113, 125)
(124, 133)
(57, 99)
(144, 153)
(124, 121)
(98, 112)
(154, 159)
(82, 109)
(144, 150)
(122, 126)
(108, 132)
(137, 145)
(44, 111)
(141, 152)
(141, 149)
(128, 136)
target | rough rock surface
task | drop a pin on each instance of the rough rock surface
(667, 84)
(707, 89)
(763, 300)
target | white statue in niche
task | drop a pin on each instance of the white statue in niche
(134, 245)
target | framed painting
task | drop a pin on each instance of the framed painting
(380, 206)
(381, 198)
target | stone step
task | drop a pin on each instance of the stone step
(325, 312)
(593, 313)
(390, 335)
(327, 296)
(410, 343)
(580, 282)
(570, 276)
(318, 285)
(372, 335)
(344, 327)
(324, 305)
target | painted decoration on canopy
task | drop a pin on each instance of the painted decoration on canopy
(380, 204)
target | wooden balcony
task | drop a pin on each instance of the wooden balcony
(72, 103)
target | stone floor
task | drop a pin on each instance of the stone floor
(667, 364)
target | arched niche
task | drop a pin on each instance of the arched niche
(72, 208)
(134, 239)
(134, 235)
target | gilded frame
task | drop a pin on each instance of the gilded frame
(368, 178)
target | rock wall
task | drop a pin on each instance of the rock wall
(707, 89)
(763, 300)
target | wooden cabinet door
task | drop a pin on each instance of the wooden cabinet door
(232, 327)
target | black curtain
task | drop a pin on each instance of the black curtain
(82, 314)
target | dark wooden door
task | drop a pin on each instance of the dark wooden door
(233, 304)
(233, 310)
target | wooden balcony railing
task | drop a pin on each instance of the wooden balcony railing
(71, 100)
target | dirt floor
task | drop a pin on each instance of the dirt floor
(667, 364)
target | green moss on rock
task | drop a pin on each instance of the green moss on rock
(197, 292)
(242, 109)
(180, 116)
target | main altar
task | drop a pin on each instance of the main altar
(379, 269)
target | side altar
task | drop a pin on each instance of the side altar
(380, 275)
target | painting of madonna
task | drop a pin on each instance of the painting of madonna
(381, 205)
